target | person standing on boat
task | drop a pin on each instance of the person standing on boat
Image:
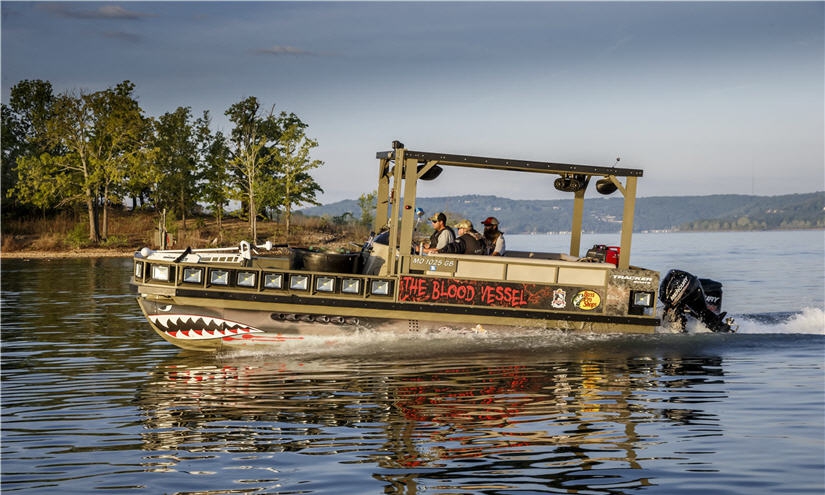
(469, 241)
(443, 234)
(494, 237)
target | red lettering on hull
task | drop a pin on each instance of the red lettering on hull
(493, 294)
(472, 292)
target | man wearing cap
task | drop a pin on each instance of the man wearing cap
(468, 242)
(494, 237)
(443, 234)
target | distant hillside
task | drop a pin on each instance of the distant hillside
(716, 212)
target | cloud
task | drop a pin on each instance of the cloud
(102, 12)
(123, 36)
(9, 12)
(618, 44)
(279, 50)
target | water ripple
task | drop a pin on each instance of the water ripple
(92, 400)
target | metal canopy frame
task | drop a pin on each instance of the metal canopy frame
(508, 164)
(400, 170)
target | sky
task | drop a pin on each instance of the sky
(706, 97)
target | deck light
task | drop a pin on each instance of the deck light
(325, 284)
(247, 279)
(641, 302)
(219, 277)
(274, 281)
(644, 299)
(160, 272)
(351, 286)
(380, 287)
(299, 282)
(193, 275)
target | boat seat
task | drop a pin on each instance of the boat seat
(540, 255)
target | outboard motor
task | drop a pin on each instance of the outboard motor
(683, 294)
(713, 294)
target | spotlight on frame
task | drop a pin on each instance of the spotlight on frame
(431, 174)
(606, 186)
(570, 183)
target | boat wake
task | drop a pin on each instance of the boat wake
(445, 341)
(452, 340)
(809, 321)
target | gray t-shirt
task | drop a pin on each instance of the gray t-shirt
(444, 237)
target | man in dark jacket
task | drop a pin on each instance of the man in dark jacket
(494, 237)
(469, 241)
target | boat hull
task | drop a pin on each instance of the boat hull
(219, 324)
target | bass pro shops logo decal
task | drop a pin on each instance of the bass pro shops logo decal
(587, 300)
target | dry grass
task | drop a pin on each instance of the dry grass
(130, 231)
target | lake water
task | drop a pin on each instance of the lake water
(94, 402)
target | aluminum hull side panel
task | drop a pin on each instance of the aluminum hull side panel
(198, 324)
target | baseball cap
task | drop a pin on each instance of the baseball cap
(490, 221)
(464, 224)
(440, 216)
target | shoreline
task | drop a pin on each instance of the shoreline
(78, 253)
(129, 252)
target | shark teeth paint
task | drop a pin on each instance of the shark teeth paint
(196, 327)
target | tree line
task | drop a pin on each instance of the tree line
(98, 150)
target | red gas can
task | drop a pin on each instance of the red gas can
(612, 254)
(604, 254)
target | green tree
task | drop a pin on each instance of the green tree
(294, 164)
(143, 178)
(177, 156)
(70, 129)
(93, 139)
(367, 204)
(24, 136)
(214, 152)
(42, 182)
(253, 140)
(119, 138)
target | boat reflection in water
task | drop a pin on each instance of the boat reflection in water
(568, 423)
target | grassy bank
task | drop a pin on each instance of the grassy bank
(66, 235)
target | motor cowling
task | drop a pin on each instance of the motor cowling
(683, 293)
